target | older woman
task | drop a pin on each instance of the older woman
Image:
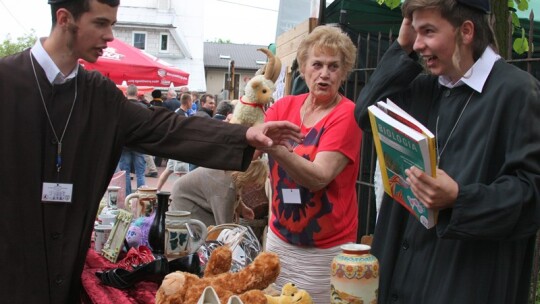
(314, 207)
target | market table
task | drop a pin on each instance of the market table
(97, 293)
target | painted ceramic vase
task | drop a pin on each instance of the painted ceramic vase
(354, 276)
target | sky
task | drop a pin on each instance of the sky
(18, 17)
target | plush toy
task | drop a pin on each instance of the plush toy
(183, 287)
(290, 294)
(249, 110)
(289, 289)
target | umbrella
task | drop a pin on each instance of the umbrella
(123, 62)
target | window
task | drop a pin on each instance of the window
(139, 40)
(164, 42)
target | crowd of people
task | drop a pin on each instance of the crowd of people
(75, 128)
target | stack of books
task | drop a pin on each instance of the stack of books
(402, 142)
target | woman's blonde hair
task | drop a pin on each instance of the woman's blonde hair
(329, 40)
(257, 173)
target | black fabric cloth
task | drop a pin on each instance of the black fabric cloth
(156, 102)
(481, 249)
(204, 112)
(137, 102)
(44, 245)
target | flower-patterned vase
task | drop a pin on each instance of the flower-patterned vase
(354, 276)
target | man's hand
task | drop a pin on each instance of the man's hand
(407, 35)
(273, 133)
(435, 193)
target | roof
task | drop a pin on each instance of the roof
(245, 56)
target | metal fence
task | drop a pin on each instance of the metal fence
(370, 50)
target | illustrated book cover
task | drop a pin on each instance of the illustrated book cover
(401, 142)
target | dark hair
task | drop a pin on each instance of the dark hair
(205, 96)
(156, 94)
(78, 7)
(457, 13)
(224, 108)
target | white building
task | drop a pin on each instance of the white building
(171, 30)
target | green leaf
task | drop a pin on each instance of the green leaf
(523, 5)
(394, 3)
(515, 19)
(521, 45)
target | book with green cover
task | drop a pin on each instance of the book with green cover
(402, 142)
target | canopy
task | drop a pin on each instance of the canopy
(123, 62)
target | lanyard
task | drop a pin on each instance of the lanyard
(58, 140)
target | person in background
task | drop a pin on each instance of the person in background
(211, 195)
(143, 100)
(487, 184)
(156, 99)
(172, 102)
(65, 144)
(176, 166)
(208, 104)
(156, 102)
(185, 105)
(224, 111)
(313, 206)
(196, 103)
(131, 158)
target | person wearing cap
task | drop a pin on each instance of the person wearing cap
(64, 140)
(487, 185)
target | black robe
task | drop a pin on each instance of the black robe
(481, 250)
(44, 245)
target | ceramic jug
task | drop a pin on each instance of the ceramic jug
(142, 202)
(112, 201)
(354, 276)
(180, 234)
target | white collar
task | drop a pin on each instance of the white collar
(54, 75)
(479, 72)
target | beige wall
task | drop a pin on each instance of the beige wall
(215, 79)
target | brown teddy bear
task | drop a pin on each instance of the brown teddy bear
(182, 287)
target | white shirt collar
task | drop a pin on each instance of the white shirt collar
(54, 75)
(479, 72)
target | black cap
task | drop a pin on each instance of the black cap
(482, 5)
(57, 1)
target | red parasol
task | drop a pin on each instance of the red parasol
(123, 62)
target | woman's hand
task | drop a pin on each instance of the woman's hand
(435, 193)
